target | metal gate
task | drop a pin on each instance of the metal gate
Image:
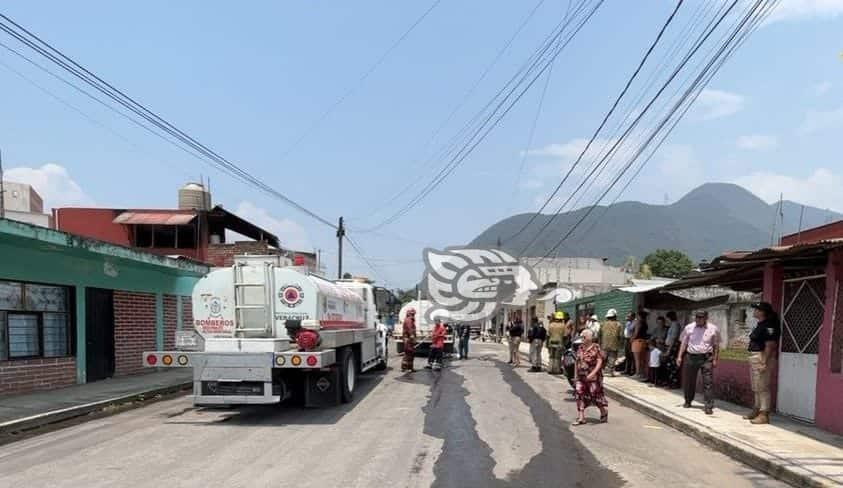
(803, 305)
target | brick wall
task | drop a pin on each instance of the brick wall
(170, 321)
(187, 313)
(223, 254)
(134, 330)
(29, 375)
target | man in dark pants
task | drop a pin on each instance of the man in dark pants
(464, 333)
(699, 351)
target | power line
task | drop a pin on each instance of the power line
(316, 123)
(613, 151)
(540, 64)
(602, 124)
(754, 18)
(56, 56)
(465, 98)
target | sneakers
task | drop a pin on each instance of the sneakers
(709, 411)
(751, 415)
(761, 418)
(687, 405)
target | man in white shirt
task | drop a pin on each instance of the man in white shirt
(701, 342)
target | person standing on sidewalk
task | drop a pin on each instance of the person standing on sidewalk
(408, 334)
(464, 333)
(556, 342)
(516, 330)
(537, 335)
(763, 345)
(588, 372)
(672, 373)
(699, 351)
(610, 340)
(640, 336)
(629, 359)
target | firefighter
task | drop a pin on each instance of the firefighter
(556, 341)
(408, 333)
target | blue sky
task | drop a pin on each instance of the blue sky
(248, 81)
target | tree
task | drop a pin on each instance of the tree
(669, 263)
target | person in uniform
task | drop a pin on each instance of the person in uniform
(556, 341)
(408, 334)
(763, 346)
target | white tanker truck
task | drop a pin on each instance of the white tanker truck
(241, 352)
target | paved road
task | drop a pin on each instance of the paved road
(478, 423)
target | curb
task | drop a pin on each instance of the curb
(713, 441)
(716, 442)
(55, 416)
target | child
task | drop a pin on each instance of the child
(656, 349)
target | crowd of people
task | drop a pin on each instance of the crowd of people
(665, 354)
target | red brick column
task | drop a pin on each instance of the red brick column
(134, 330)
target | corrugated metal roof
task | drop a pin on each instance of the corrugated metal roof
(154, 217)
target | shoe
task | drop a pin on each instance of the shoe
(762, 418)
(751, 415)
(709, 411)
(687, 405)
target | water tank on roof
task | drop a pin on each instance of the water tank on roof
(193, 196)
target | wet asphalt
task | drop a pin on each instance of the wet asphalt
(476, 424)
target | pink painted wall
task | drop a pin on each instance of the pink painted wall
(829, 409)
(732, 383)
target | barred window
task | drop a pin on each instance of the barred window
(34, 320)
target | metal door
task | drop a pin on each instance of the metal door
(803, 305)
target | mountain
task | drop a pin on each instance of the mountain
(709, 220)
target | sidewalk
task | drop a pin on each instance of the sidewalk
(31, 410)
(796, 453)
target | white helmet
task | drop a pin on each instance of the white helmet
(611, 313)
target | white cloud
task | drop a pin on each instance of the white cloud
(819, 120)
(53, 183)
(822, 88)
(679, 165)
(714, 104)
(806, 9)
(819, 189)
(757, 142)
(290, 233)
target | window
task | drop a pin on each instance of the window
(34, 321)
(143, 236)
(164, 236)
(186, 237)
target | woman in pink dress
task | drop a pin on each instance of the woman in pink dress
(589, 374)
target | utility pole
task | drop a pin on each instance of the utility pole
(2, 190)
(340, 237)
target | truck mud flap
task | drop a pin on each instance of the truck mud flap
(322, 388)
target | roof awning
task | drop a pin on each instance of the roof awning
(641, 286)
(154, 218)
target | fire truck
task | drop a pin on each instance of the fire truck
(241, 349)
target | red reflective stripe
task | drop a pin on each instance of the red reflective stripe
(341, 324)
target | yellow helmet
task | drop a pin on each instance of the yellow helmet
(559, 315)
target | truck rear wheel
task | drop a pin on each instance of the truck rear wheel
(348, 374)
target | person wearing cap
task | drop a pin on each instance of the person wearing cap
(610, 340)
(763, 344)
(699, 352)
(556, 341)
(408, 334)
(516, 330)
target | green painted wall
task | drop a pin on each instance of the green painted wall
(622, 301)
(33, 254)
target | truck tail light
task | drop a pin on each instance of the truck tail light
(151, 359)
(311, 360)
(167, 360)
